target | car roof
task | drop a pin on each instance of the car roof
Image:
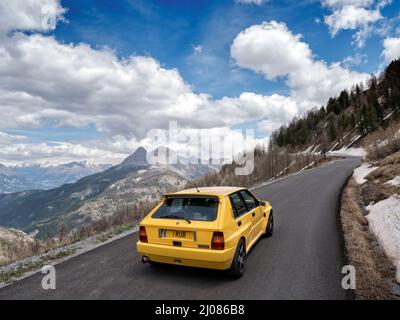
(212, 191)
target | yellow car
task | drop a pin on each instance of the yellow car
(211, 227)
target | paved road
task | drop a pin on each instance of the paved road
(302, 260)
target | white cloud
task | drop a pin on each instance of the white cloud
(257, 2)
(271, 49)
(355, 60)
(391, 49)
(55, 152)
(197, 49)
(44, 82)
(359, 15)
(341, 3)
(351, 17)
(47, 83)
(6, 139)
(29, 15)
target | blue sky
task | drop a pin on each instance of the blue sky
(191, 41)
(168, 30)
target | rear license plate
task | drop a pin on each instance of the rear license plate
(177, 234)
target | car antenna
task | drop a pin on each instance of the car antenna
(196, 187)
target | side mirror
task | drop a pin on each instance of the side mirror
(262, 203)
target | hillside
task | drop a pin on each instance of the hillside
(347, 117)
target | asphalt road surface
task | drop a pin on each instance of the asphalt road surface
(302, 260)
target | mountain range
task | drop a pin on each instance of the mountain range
(102, 194)
(38, 176)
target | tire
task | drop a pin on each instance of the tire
(270, 226)
(238, 267)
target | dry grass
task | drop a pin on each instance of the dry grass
(374, 192)
(373, 142)
(391, 159)
(18, 249)
(376, 189)
(371, 265)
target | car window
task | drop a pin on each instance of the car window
(250, 201)
(192, 208)
(239, 207)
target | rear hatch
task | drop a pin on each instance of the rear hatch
(184, 221)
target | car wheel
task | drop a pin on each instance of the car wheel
(238, 266)
(270, 226)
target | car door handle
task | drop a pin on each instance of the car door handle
(253, 214)
(239, 223)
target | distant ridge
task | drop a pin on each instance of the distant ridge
(138, 158)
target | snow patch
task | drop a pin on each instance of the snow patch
(356, 152)
(362, 171)
(308, 150)
(394, 182)
(384, 223)
(307, 166)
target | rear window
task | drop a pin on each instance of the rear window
(192, 208)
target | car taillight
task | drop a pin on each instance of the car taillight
(217, 242)
(142, 234)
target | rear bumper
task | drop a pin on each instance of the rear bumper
(193, 257)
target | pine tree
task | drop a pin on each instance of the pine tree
(332, 129)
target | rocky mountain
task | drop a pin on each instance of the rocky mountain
(138, 158)
(192, 168)
(37, 176)
(102, 194)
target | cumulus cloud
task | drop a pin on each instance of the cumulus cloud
(30, 15)
(47, 83)
(351, 17)
(75, 84)
(391, 49)
(359, 15)
(272, 49)
(255, 48)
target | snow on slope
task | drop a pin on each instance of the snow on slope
(384, 222)
(362, 171)
(356, 152)
(394, 182)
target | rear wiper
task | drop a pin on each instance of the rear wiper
(176, 217)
